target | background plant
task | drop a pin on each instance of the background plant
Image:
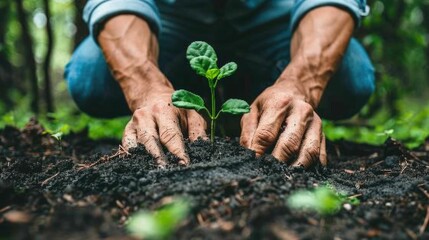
(322, 200)
(159, 224)
(203, 59)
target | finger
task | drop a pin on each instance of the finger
(129, 138)
(249, 123)
(323, 158)
(268, 130)
(148, 136)
(170, 135)
(289, 142)
(310, 150)
(196, 126)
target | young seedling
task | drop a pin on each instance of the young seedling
(203, 59)
(323, 200)
(160, 224)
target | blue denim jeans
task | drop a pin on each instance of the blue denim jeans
(261, 53)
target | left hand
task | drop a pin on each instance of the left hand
(282, 117)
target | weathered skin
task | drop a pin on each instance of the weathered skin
(283, 115)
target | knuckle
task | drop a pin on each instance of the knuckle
(311, 153)
(305, 108)
(244, 140)
(291, 145)
(266, 136)
(159, 107)
(195, 117)
(317, 119)
(282, 100)
(290, 150)
(169, 134)
(293, 139)
(137, 115)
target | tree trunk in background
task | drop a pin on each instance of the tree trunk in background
(6, 70)
(48, 58)
(29, 55)
(81, 27)
(425, 10)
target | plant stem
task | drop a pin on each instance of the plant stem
(212, 117)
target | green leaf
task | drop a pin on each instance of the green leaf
(202, 64)
(321, 200)
(57, 135)
(200, 48)
(235, 106)
(227, 70)
(212, 73)
(160, 224)
(187, 100)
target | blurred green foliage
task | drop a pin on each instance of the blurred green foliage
(159, 224)
(324, 200)
(65, 120)
(395, 35)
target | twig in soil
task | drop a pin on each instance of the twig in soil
(423, 190)
(355, 196)
(283, 233)
(376, 163)
(201, 220)
(5, 209)
(49, 179)
(337, 151)
(256, 179)
(410, 234)
(425, 223)
(405, 167)
(121, 151)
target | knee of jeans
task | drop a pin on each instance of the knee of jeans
(91, 84)
(80, 91)
(360, 95)
(351, 87)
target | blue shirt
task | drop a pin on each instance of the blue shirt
(242, 14)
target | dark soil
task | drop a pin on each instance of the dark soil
(81, 189)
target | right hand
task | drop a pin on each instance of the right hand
(158, 122)
(131, 50)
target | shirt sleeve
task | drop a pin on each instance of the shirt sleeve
(96, 12)
(357, 8)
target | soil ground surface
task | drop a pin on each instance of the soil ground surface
(82, 189)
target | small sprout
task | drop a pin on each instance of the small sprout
(386, 133)
(323, 200)
(203, 59)
(160, 224)
(57, 135)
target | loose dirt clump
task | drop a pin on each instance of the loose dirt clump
(84, 189)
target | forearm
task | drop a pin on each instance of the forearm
(317, 47)
(131, 51)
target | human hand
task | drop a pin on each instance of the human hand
(131, 50)
(282, 117)
(157, 122)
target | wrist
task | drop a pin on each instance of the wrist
(305, 81)
(142, 83)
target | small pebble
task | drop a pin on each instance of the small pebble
(347, 206)
(392, 161)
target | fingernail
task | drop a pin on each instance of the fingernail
(160, 162)
(183, 162)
